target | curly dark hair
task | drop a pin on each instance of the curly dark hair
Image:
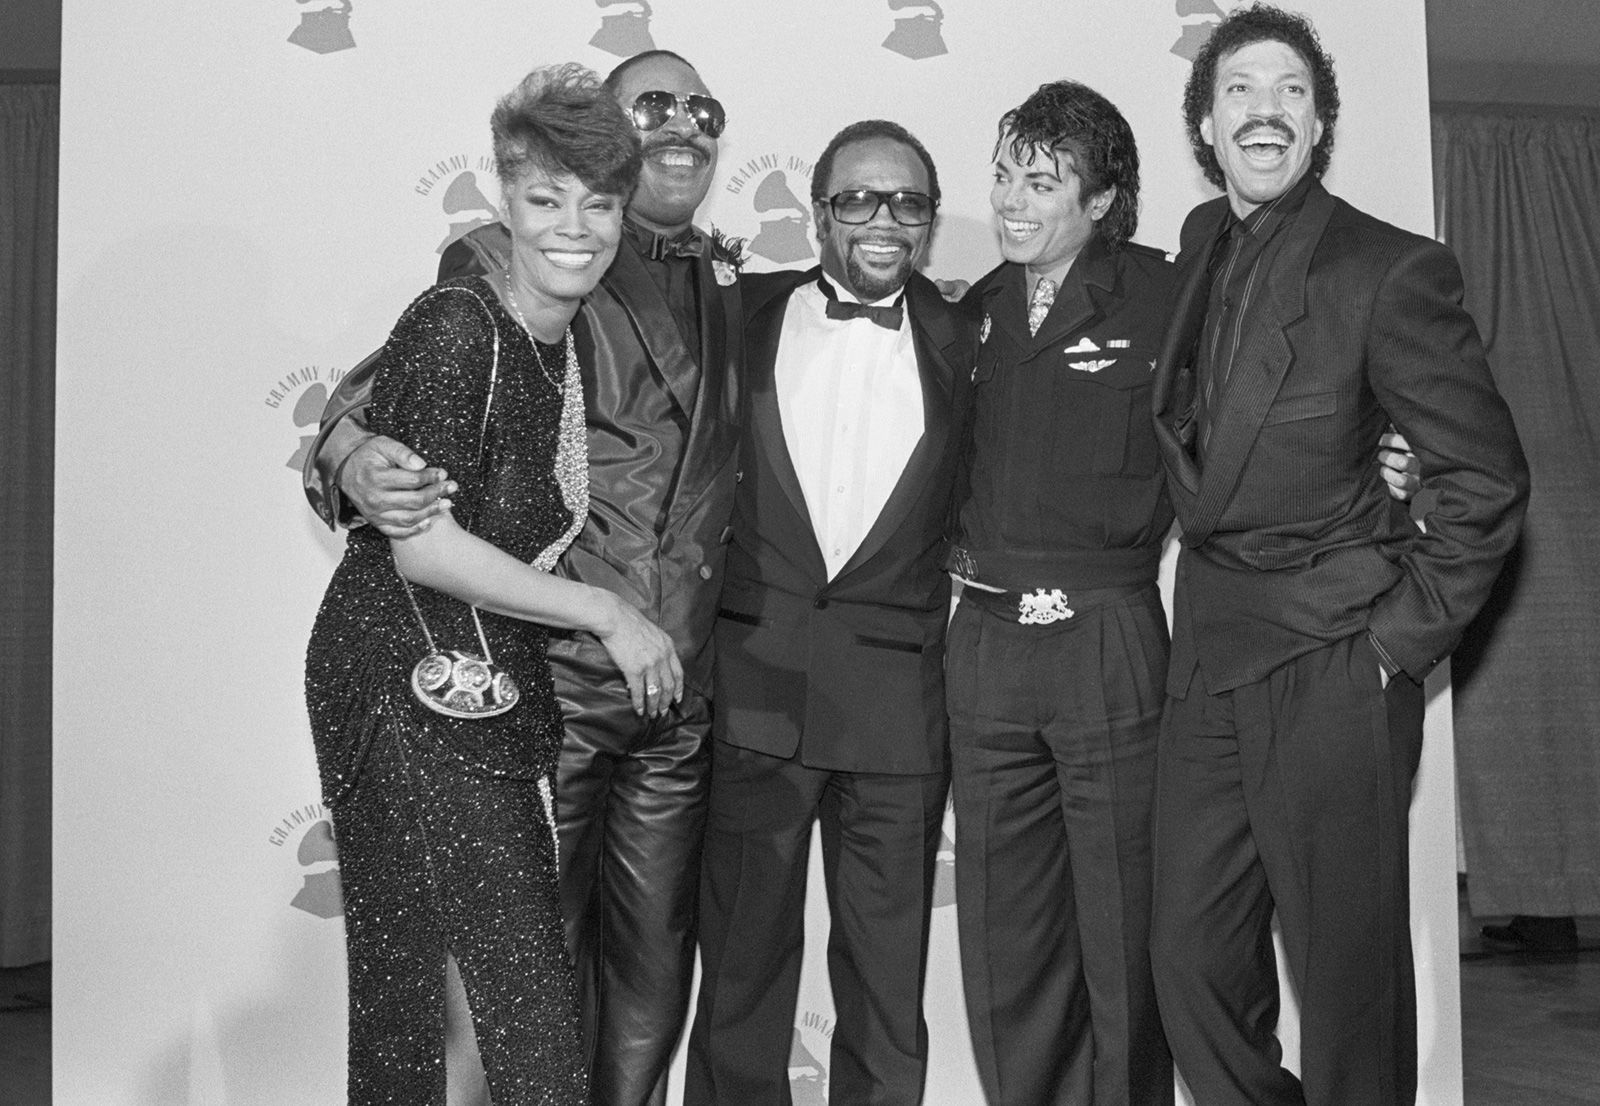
(1260, 23)
(561, 119)
(1072, 118)
(863, 131)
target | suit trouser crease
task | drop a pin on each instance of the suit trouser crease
(1290, 795)
(880, 837)
(1053, 733)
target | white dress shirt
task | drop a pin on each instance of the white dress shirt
(850, 398)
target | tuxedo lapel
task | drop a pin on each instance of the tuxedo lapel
(766, 420)
(716, 406)
(933, 329)
(721, 338)
(1259, 367)
(656, 326)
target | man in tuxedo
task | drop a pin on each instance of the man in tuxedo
(659, 345)
(1057, 657)
(1308, 608)
(830, 642)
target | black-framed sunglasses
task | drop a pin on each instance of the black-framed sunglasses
(860, 205)
(652, 109)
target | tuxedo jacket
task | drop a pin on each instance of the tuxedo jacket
(847, 672)
(1290, 539)
(662, 440)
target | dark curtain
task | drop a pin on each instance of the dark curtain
(29, 115)
(1517, 192)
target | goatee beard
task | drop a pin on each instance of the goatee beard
(870, 286)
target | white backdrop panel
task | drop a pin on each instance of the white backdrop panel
(250, 196)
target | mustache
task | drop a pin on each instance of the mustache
(1256, 126)
(672, 142)
(882, 238)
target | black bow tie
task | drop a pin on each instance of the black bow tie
(887, 316)
(686, 244)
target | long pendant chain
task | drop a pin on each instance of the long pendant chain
(556, 382)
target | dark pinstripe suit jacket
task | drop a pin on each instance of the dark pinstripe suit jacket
(1289, 537)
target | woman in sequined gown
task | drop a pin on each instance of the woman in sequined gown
(445, 825)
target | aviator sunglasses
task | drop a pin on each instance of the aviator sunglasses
(652, 109)
(860, 205)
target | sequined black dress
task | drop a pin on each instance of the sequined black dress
(444, 826)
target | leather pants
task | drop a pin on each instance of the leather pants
(630, 810)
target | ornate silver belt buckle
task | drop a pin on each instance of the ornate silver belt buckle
(1042, 607)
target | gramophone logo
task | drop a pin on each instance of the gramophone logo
(325, 28)
(304, 392)
(311, 833)
(774, 184)
(1196, 31)
(808, 1060)
(917, 36)
(459, 182)
(624, 33)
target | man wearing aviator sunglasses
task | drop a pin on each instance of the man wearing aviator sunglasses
(651, 110)
(659, 342)
(679, 123)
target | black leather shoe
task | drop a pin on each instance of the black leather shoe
(1536, 933)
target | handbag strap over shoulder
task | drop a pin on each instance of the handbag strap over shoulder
(494, 377)
(483, 434)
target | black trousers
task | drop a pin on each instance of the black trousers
(630, 808)
(1290, 794)
(1053, 743)
(880, 839)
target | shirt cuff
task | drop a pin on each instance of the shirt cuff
(1390, 668)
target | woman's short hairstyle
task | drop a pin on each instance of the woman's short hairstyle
(1072, 118)
(561, 119)
(1243, 26)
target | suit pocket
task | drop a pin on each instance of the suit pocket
(1112, 402)
(888, 643)
(1314, 405)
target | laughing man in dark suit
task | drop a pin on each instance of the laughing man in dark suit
(830, 642)
(1308, 609)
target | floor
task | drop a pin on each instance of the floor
(1530, 1025)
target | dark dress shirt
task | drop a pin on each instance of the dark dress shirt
(1240, 262)
(670, 261)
